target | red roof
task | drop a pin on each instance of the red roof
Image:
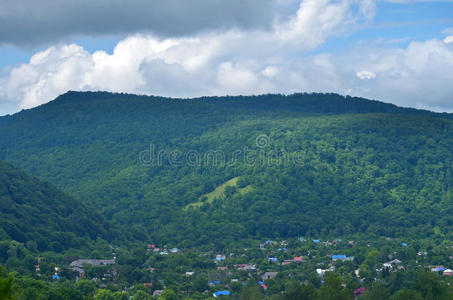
(298, 258)
(360, 291)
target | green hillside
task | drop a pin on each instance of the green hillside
(34, 211)
(305, 164)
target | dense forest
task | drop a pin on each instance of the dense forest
(219, 169)
(35, 213)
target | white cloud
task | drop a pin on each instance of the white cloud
(247, 62)
(366, 75)
(270, 71)
(448, 39)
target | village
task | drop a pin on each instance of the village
(269, 264)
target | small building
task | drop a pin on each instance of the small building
(157, 293)
(272, 259)
(391, 263)
(448, 272)
(261, 284)
(269, 275)
(287, 262)
(220, 257)
(342, 257)
(338, 257)
(221, 293)
(222, 268)
(438, 269)
(214, 282)
(245, 267)
(189, 273)
(92, 262)
(360, 291)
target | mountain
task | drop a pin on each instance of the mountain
(33, 210)
(213, 169)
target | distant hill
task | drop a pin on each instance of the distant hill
(303, 164)
(33, 210)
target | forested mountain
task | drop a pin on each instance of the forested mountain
(34, 212)
(220, 168)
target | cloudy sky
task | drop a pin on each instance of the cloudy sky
(398, 51)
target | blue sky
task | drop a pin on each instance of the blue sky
(394, 52)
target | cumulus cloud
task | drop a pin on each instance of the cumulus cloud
(247, 62)
(448, 39)
(31, 22)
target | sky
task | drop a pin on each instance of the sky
(396, 51)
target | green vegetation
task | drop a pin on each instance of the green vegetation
(329, 165)
(35, 213)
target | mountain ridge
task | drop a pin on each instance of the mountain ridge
(365, 166)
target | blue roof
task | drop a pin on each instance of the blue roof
(316, 241)
(403, 244)
(274, 259)
(55, 277)
(260, 282)
(338, 256)
(214, 282)
(220, 293)
(438, 269)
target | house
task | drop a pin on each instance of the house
(390, 264)
(269, 275)
(189, 273)
(316, 241)
(338, 257)
(298, 259)
(272, 259)
(222, 268)
(221, 293)
(56, 277)
(261, 284)
(92, 262)
(437, 268)
(157, 293)
(214, 283)
(149, 284)
(342, 257)
(360, 291)
(245, 267)
(79, 270)
(174, 250)
(448, 272)
(287, 262)
(404, 244)
(220, 257)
